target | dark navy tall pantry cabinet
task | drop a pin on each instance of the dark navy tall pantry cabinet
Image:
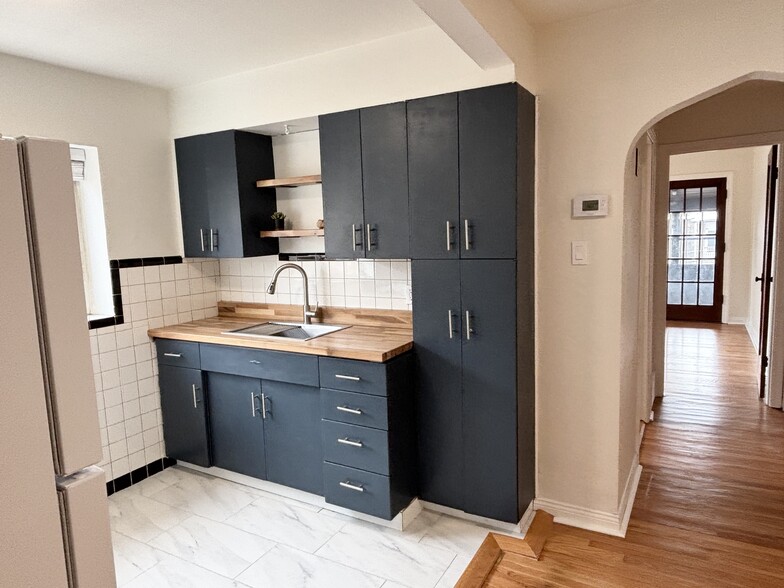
(471, 180)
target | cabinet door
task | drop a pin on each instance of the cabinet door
(436, 292)
(433, 178)
(385, 181)
(341, 184)
(292, 436)
(224, 239)
(488, 172)
(184, 412)
(236, 424)
(489, 388)
(194, 204)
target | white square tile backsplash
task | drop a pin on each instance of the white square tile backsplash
(363, 283)
(126, 372)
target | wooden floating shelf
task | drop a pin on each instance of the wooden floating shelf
(289, 182)
(294, 233)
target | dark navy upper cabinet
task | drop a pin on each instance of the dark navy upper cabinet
(467, 166)
(488, 172)
(364, 175)
(433, 177)
(385, 180)
(341, 184)
(222, 210)
(184, 412)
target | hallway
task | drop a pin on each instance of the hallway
(714, 460)
(710, 506)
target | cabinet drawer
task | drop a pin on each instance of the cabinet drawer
(264, 365)
(354, 408)
(355, 446)
(179, 353)
(357, 490)
(354, 376)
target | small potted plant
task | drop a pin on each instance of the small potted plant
(279, 219)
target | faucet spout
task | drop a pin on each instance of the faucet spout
(307, 314)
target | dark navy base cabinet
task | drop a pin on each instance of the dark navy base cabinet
(292, 435)
(369, 434)
(184, 412)
(236, 426)
(262, 414)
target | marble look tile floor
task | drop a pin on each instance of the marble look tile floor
(181, 528)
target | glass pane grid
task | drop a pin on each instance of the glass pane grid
(691, 251)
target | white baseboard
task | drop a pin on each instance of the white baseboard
(736, 320)
(521, 527)
(754, 337)
(609, 523)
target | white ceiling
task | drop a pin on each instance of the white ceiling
(540, 12)
(171, 43)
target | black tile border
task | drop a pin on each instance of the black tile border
(139, 474)
(115, 265)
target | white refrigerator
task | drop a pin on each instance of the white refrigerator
(54, 520)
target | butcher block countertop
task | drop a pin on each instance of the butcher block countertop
(373, 335)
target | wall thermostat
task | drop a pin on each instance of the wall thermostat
(590, 206)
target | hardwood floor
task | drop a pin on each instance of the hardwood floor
(710, 506)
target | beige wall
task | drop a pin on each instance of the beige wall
(602, 78)
(507, 25)
(737, 165)
(757, 215)
(128, 123)
(410, 65)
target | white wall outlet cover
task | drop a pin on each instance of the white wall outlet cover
(590, 206)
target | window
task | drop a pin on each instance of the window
(92, 232)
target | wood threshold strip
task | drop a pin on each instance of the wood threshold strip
(495, 546)
(289, 182)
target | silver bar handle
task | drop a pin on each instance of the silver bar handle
(451, 324)
(369, 240)
(352, 378)
(253, 405)
(213, 239)
(448, 236)
(349, 410)
(350, 486)
(347, 441)
(254, 361)
(467, 235)
(201, 236)
(263, 406)
(354, 231)
(172, 354)
(195, 402)
(469, 328)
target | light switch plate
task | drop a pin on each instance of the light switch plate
(579, 252)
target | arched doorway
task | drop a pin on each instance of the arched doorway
(746, 112)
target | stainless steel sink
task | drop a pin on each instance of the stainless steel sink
(273, 330)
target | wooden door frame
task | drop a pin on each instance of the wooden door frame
(713, 313)
(766, 277)
(775, 394)
(657, 255)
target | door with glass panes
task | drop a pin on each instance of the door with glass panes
(695, 249)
